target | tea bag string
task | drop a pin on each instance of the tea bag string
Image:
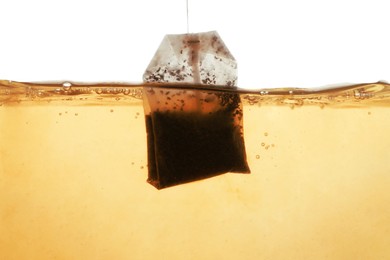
(188, 23)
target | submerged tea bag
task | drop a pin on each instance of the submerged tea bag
(192, 133)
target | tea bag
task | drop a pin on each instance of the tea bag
(192, 134)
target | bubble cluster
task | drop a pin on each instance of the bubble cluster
(355, 95)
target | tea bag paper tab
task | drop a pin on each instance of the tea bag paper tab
(192, 134)
(200, 58)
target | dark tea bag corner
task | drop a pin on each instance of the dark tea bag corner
(193, 134)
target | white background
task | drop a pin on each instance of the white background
(277, 43)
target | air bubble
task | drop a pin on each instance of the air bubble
(126, 91)
(66, 86)
(257, 156)
(262, 144)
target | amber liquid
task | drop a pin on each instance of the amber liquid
(73, 169)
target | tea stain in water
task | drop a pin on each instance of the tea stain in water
(73, 186)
